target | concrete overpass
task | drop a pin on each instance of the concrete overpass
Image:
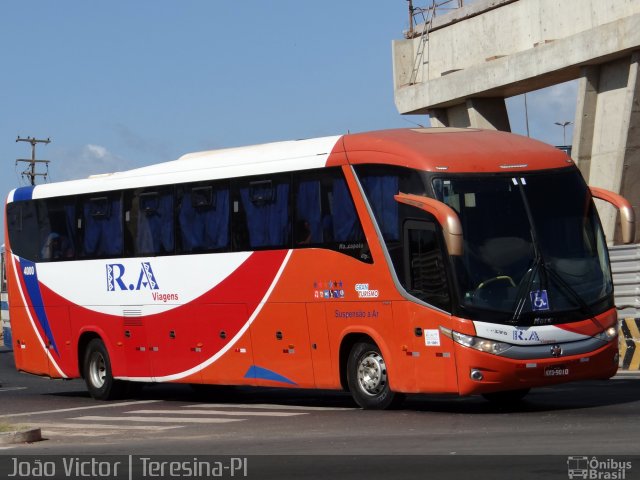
(459, 68)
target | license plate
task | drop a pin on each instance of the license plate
(557, 371)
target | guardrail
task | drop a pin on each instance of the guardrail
(625, 266)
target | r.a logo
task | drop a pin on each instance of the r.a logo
(525, 335)
(116, 278)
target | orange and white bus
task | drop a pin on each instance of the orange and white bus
(385, 263)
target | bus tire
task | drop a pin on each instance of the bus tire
(507, 397)
(368, 379)
(97, 373)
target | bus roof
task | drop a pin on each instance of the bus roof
(429, 149)
(455, 150)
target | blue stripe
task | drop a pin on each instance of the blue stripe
(8, 340)
(264, 374)
(33, 290)
(4, 305)
(23, 193)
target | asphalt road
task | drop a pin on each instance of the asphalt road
(595, 419)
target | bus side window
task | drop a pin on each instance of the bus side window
(262, 211)
(424, 270)
(308, 228)
(22, 223)
(325, 215)
(101, 221)
(203, 217)
(150, 222)
(380, 190)
(57, 232)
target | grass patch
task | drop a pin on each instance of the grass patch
(7, 427)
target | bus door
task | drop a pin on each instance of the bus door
(282, 353)
(425, 277)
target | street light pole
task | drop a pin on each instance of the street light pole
(564, 131)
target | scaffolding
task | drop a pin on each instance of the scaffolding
(420, 24)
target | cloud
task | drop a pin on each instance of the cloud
(97, 151)
(81, 162)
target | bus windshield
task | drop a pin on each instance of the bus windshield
(533, 244)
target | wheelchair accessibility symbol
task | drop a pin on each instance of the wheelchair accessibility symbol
(539, 300)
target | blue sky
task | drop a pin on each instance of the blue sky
(121, 84)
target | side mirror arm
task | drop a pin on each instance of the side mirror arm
(627, 215)
(446, 216)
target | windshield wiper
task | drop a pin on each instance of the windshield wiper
(538, 260)
(540, 267)
(571, 292)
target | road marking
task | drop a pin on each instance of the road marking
(9, 389)
(160, 419)
(105, 405)
(220, 412)
(266, 406)
(101, 426)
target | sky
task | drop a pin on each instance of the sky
(120, 84)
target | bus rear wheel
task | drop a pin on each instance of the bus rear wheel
(368, 379)
(97, 373)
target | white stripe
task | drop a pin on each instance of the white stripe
(219, 412)
(60, 410)
(160, 419)
(101, 426)
(266, 406)
(33, 325)
(8, 389)
(225, 349)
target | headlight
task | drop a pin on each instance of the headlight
(481, 344)
(608, 335)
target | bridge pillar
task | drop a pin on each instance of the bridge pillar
(489, 113)
(606, 137)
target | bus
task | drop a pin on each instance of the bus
(385, 263)
(4, 305)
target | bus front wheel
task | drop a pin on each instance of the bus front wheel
(97, 372)
(368, 379)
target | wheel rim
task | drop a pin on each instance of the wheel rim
(97, 370)
(372, 373)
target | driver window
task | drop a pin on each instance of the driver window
(425, 274)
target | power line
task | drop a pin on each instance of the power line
(30, 171)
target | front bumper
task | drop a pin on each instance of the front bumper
(499, 373)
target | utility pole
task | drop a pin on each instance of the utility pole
(30, 171)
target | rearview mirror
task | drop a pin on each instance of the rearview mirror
(627, 215)
(446, 216)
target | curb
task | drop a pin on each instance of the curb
(22, 436)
